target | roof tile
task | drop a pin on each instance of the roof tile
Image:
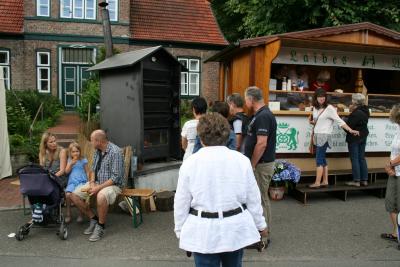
(175, 20)
(11, 16)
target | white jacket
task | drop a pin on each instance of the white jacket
(216, 179)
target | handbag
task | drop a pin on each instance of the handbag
(311, 147)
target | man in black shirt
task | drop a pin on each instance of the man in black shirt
(260, 144)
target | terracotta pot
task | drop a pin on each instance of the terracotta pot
(276, 193)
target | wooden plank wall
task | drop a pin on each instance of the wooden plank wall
(362, 37)
(241, 72)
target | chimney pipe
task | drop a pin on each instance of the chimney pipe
(106, 29)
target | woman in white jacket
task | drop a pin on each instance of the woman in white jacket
(217, 208)
(323, 118)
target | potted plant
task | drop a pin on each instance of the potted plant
(285, 175)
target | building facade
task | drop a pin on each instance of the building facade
(47, 45)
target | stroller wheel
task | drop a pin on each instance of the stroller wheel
(63, 232)
(20, 233)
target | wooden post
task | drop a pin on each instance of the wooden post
(271, 52)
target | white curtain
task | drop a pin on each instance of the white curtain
(5, 163)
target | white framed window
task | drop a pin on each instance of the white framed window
(90, 9)
(78, 9)
(5, 64)
(43, 8)
(113, 9)
(190, 80)
(43, 72)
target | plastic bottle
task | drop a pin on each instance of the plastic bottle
(284, 84)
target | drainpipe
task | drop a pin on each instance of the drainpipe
(106, 29)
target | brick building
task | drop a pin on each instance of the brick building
(47, 45)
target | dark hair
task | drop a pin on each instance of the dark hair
(221, 108)
(235, 99)
(199, 105)
(319, 92)
(213, 129)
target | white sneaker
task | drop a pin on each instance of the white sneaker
(98, 232)
(91, 227)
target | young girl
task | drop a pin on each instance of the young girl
(78, 171)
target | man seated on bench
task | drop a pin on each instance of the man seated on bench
(105, 183)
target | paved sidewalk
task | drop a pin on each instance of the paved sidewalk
(10, 197)
(327, 232)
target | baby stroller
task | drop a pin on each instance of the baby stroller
(46, 195)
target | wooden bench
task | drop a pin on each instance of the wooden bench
(338, 167)
(340, 190)
(134, 196)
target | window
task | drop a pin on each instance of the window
(78, 9)
(43, 8)
(43, 71)
(113, 9)
(190, 81)
(5, 64)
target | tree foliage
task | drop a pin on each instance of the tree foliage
(250, 18)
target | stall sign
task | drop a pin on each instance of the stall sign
(293, 135)
(333, 58)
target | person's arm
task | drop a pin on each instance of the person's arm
(253, 201)
(184, 143)
(70, 165)
(259, 149)
(395, 161)
(239, 139)
(182, 201)
(63, 162)
(335, 117)
(237, 128)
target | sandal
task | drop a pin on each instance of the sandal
(314, 186)
(324, 185)
(389, 237)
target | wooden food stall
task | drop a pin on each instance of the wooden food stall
(361, 57)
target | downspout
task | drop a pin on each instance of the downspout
(106, 29)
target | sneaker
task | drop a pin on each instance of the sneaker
(98, 232)
(364, 183)
(79, 219)
(91, 227)
(357, 184)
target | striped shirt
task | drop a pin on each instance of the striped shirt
(111, 166)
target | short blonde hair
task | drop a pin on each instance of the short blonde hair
(395, 114)
(77, 146)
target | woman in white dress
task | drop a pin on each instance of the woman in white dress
(217, 208)
(189, 132)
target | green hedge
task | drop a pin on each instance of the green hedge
(21, 109)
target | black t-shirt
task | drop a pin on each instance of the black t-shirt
(262, 123)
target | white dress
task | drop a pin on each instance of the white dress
(217, 179)
(395, 151)
(189, 131)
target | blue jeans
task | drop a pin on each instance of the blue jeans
(358, 163)
(228, 259)
(320, 155)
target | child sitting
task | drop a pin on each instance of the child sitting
(78, 170)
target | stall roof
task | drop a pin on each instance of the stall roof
(306, 39)
(128, 59)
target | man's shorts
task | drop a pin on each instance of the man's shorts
(111, 192)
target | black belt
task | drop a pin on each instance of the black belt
(215, 215)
